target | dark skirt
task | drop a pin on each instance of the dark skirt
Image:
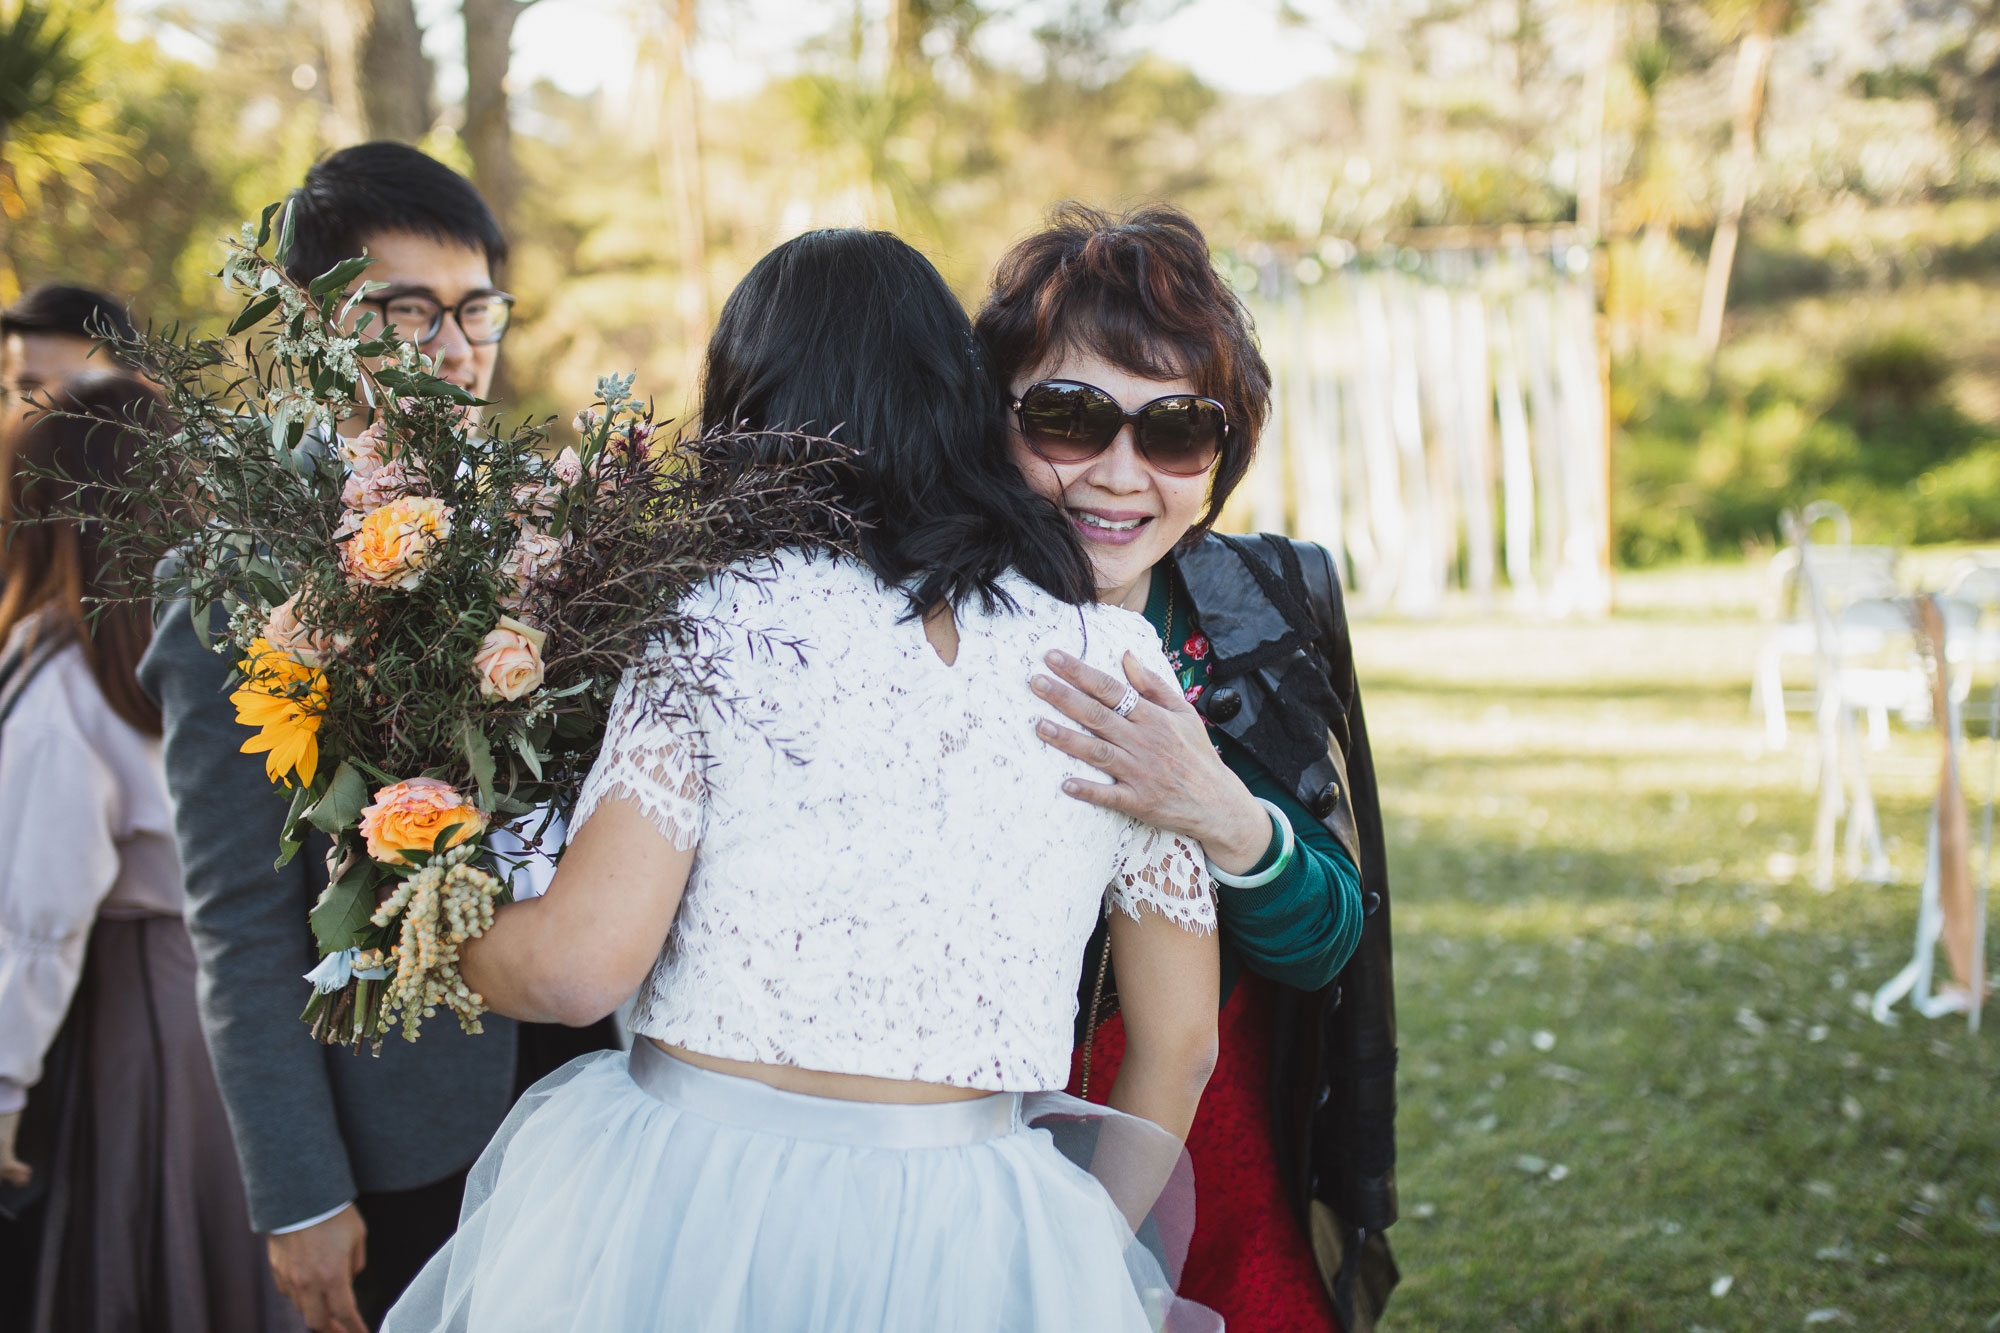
(144, 1225)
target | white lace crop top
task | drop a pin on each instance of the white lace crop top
(888, 878)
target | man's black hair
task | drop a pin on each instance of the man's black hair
(76, 312)
(854, 334)
(378, 187)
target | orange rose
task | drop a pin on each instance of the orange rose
(408, 817)
(394, 543)
(509, 660)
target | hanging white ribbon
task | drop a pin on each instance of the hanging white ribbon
(337, 969)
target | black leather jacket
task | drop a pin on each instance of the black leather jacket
(1282, 684)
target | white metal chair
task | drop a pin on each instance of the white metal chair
(1843, 573)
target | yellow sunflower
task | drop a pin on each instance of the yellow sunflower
(286, 699)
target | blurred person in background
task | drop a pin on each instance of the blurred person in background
(354, 1167)
(51, 334)
(1138, 394)
(127, 1211)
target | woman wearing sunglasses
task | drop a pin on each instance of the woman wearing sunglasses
(1137, 395)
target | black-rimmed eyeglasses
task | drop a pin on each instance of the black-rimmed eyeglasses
(419, 317)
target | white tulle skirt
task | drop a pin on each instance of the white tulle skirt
(643, 1193)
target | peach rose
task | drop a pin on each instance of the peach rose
(366, 492)
(408, 816)
(395, 542)
(568, 467)
(297, 640)
(509, 660)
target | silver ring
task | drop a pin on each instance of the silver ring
(1126, 702)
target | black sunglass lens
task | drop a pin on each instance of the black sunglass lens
(1181, 434)
(1069, 422)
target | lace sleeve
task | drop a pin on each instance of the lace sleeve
(650, 759)
(1167, 873)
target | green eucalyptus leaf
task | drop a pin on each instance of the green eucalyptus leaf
(526, 749)
(253, 313)
(341, 807)
(479, 754)
(204, 631)
(343, 910)
(285, 233)
(302, 801)
(336, 278)
(264, 222)
(384, 778)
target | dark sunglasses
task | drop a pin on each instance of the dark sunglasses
(1068, 422)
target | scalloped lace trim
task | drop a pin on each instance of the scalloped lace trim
(1169, 875)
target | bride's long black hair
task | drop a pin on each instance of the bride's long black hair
(853, 334)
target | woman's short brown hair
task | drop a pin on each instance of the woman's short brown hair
(1140, 291)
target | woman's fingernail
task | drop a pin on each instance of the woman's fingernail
(1046, 730)
(1039, 684)
(1071, 787)
(1058, 658)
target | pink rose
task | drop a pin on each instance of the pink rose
(296, 640)
(366, 492)
(535, 557)
(509, 660)
(363, 453)
(569, 467)
(535, 500)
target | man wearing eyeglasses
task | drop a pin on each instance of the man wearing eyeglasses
(435, 244)
(354, 1166)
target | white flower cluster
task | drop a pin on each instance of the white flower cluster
(442, 906)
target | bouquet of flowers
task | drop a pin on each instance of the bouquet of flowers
(429, 620)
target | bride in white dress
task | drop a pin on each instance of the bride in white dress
(854, 903)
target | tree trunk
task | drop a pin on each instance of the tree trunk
(1753, 67)
(1596, 84)
(489, 132)
(689, 189)
(377, 72)
(905, 42)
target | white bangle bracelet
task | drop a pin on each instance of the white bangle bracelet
(1270, 872)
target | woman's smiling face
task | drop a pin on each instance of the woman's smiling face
(1128, 513)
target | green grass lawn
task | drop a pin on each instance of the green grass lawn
(1640, 1089)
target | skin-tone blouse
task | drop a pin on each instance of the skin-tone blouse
(86, 830)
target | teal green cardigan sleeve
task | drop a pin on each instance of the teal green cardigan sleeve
(1300, 929)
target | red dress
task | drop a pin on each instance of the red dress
(1248, 1261)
